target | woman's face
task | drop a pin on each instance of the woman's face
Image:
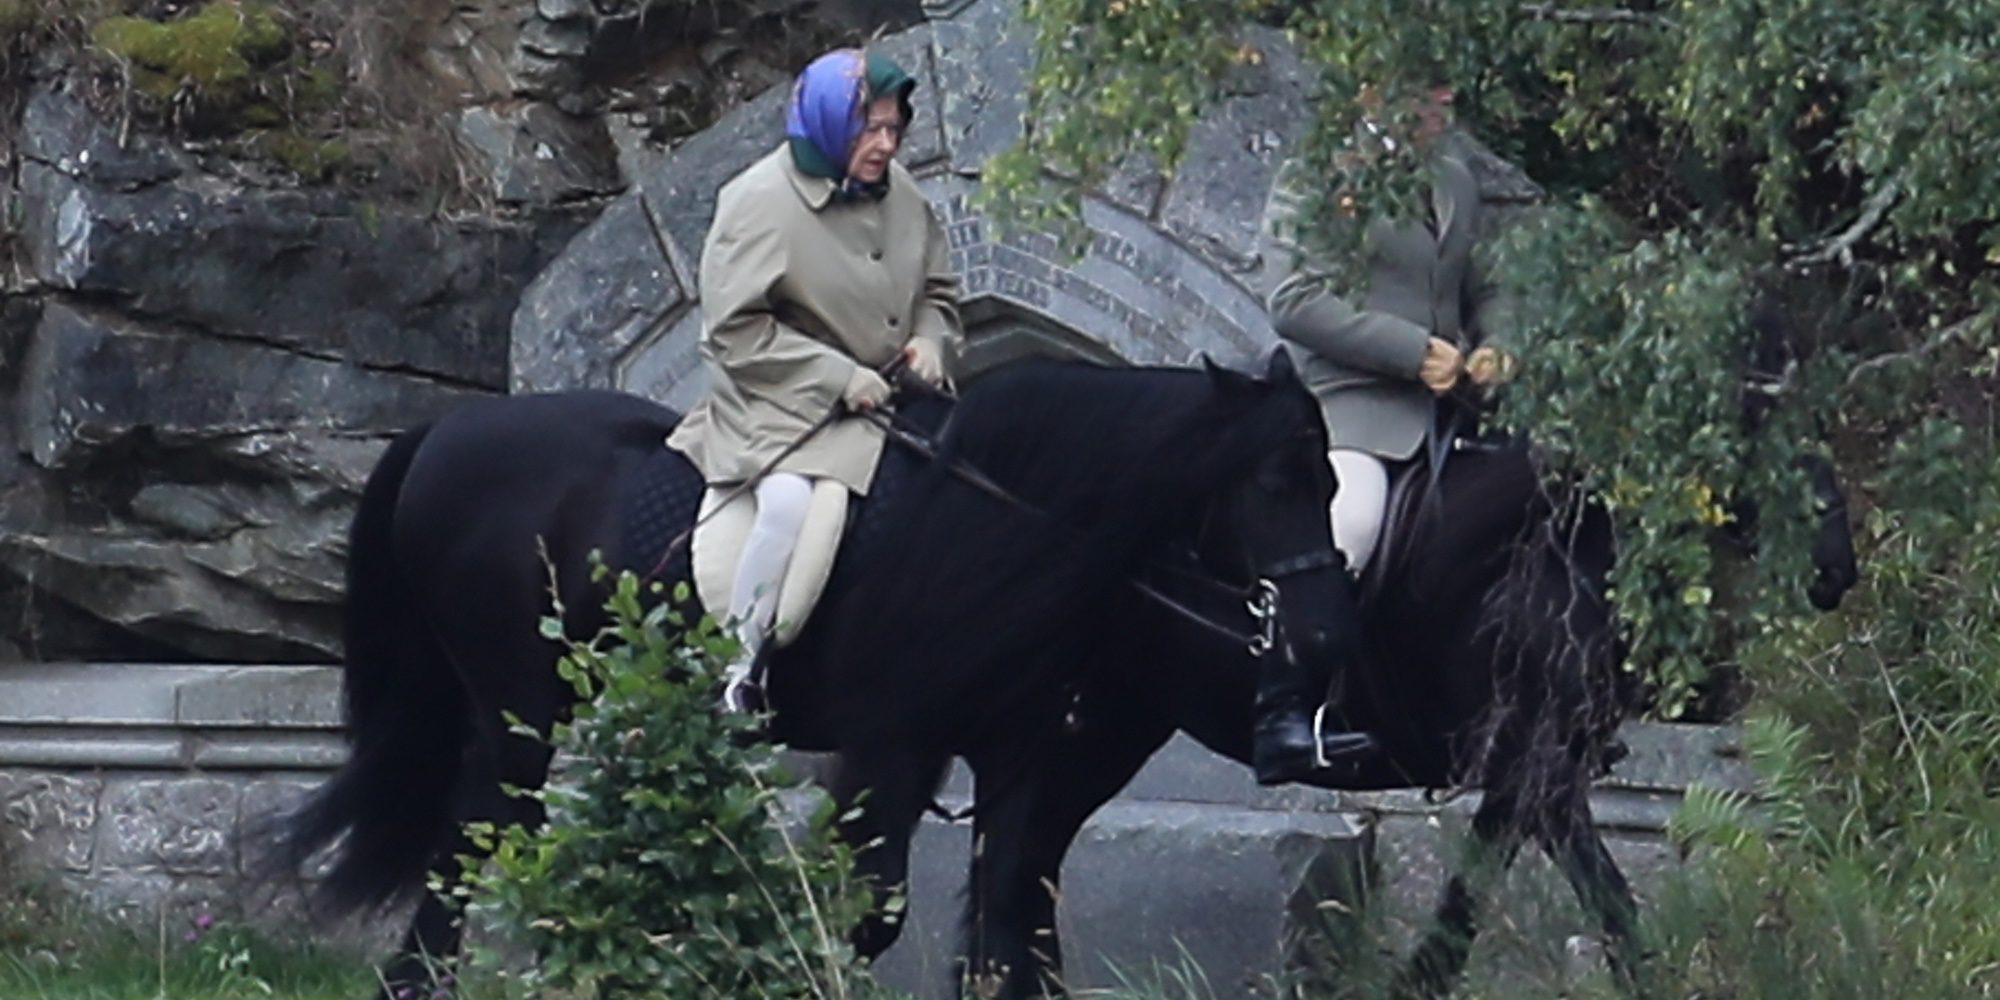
(880, 137)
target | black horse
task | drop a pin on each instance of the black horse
(1099, 468)
(1491, 664)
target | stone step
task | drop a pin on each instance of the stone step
(1641, 792)
(1184, 865)
(1148, 885)
(175, 717)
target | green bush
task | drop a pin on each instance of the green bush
(674, 865)
(1871, 868)
(1826, 155)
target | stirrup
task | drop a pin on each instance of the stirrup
(1319, 741)
(743, 696)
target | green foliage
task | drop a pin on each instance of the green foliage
(29, 26)
(1829, 155)
(326, 90)
(311, 159)
(1868, 863)
(672, 867)
(16, 16)
(1090, 104)
(1648, 319)
(1826, 160)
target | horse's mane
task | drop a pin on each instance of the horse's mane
(1522, 556)
(957, 612)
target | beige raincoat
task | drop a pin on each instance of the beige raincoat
(798, 287)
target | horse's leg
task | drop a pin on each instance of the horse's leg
(429, 950)
(488, 629)
(1024, 833)
(1573, 844)
(1440, 957)
(881, 794)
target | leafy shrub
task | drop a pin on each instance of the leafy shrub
(673, 866)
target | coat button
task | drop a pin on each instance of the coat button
(874, 255)
(894, 322)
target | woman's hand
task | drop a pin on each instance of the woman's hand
(1489, 366)
(865, 390)
(1441, 366)
(924, 362)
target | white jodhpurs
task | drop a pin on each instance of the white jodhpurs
(1358, 500)
(782, 501)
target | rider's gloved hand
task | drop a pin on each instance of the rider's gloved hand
(1489, 366)
(925, 361)
(865, 390)
(1441, 365)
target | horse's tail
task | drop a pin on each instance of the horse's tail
(407, 716)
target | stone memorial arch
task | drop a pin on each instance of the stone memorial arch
(1171, 270)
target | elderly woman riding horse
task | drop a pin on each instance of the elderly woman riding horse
(824, 265)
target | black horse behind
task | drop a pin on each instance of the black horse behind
(933, 639)
(1491, 664)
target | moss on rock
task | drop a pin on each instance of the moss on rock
(312, 159)
(216, 51)
(16, 16)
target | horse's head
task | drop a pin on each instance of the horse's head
(1275, 513)
(1835, 570)
(1781, 346)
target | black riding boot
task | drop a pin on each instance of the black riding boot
(1287, 744)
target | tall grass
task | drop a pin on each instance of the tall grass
(52, 948)
(1874, 865)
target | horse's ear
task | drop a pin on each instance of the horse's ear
(1225, 380)
(1280, 370)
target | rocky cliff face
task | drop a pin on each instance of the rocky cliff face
(200, 374)
(200, 359)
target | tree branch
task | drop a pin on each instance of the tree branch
(1956, 331)
(1841, 245)
(1597, 15)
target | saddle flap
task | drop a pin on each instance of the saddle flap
(1407, 486)
(717, 548)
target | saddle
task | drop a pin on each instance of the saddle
(725, 519)
(664, 495)
(1409, 483)
(1409, 509)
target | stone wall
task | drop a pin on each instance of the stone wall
(135, 785)
(132, 784)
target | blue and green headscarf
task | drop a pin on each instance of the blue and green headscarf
(830, 107)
